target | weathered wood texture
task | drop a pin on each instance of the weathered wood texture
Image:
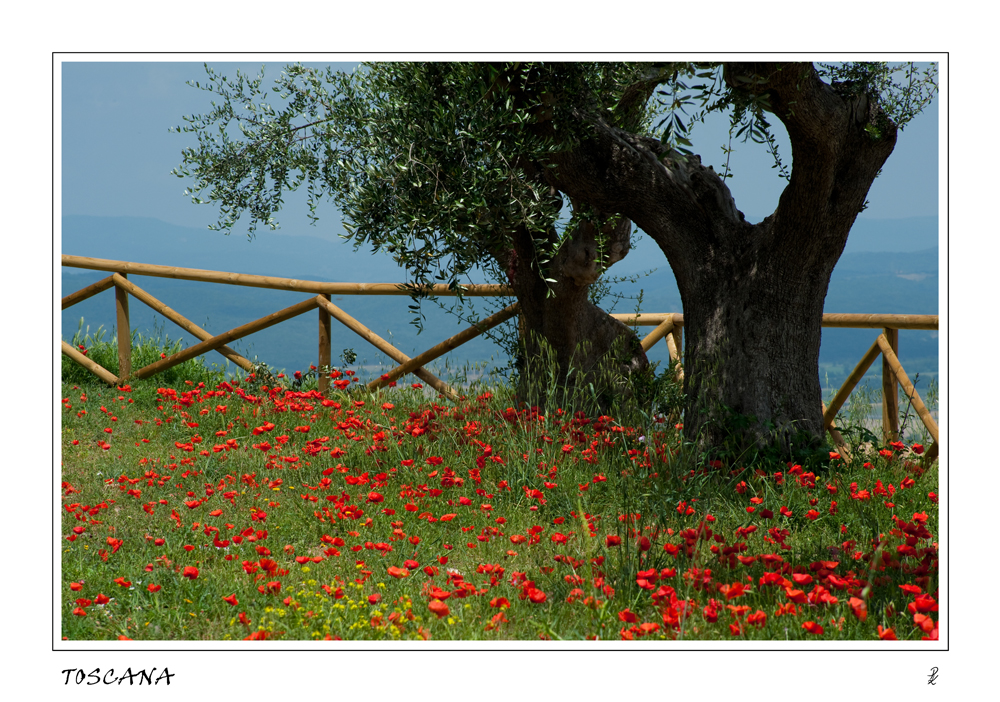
(98, 370)
(224, 338)
(387, 348)
(272, 282)
(178, 319)
(446, 346)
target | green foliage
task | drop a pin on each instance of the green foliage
(436, 163)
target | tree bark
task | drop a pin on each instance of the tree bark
(752, 294)
(568, 343)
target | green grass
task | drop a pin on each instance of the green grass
(334, 522)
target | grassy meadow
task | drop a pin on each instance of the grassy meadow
(197, 506)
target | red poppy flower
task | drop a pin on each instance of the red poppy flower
(102, 599)
(813, 628)
(75, 587)
(231, 599)
(612, 540)
(375, 497)
(80, 612)
(154, 588)
(732, 591)
(886, 634)
(123, 582)
(273, 588)
(626, 616)
(924, 622)
(797, 596)
(499, 602)
(190, 572)
(536, 595)
(439, 608)
(398, 572)
(858, 608)
(374, 598)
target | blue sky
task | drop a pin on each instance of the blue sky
(117, 152)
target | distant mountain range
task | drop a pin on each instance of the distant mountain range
(904, 281)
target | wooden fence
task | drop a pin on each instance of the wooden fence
(666, 325)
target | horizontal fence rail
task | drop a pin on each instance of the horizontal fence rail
(668, 326)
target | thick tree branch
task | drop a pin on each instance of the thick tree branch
(835, 152)
(673, 198)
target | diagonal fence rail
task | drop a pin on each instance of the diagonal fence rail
(668, 326)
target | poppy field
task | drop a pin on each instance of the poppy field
(228, 509)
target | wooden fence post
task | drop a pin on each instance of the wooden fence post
(890, 390)
(324, 346)
(124, 334)
(678, 337)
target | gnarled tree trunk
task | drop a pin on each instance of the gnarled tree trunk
(752, 294)
(586, 346)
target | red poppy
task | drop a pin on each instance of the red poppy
(626, 616)
(154, 588)
(612, 540)
(536, 595)
(732, 591)
(231, 599)
(924, 622)
(439, 608)
(80, 612)
(102, 599)
(398, 572)
(499, 602)
(813, 628)
(858, 608)
(797, 596)
(374, 598)
(123, 582)
(75, 586)
(190, 572)
(886, 634)
(273, 588)
(375, 497)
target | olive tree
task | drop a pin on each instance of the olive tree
(537, 172)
